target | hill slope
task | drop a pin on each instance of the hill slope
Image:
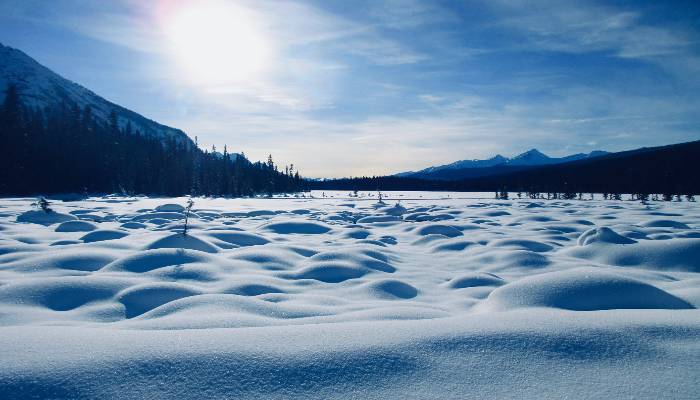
(39, 87)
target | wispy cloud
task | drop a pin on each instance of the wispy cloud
(401, 84)
(586, 27)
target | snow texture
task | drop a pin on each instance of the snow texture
(443, 295)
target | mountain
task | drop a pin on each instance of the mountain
(664, 169)
(39, 87)
(494, 165)
(493, 161)
(668, 169)
(59, 137)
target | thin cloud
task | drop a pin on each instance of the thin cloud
(400, 85)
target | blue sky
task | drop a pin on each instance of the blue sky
(372, 87)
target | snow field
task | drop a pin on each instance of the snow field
(432, 297)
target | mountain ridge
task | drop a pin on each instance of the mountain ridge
(40, 87)
(495, 164)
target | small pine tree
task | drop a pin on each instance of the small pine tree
(690, 197)
(643, 197)
(43, 204)
(188, 209)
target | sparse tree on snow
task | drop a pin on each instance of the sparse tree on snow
(43, 204)
(188, 209)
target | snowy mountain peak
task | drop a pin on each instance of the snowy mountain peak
(39, 87)
(533, 153)
(532, 157)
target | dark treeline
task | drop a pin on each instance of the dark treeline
(66, 149)
(668, 170)
(375, 183)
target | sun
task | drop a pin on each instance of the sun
(216, 42)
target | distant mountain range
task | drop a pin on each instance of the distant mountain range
(668, 169)
(494, 165)
(39, 87)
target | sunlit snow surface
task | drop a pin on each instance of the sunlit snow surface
(443, 295)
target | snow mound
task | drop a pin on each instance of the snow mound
(252, 289)
(437, 229)
(582, 289)
(425, 217)
(133, 225)
(170, 208)
(158, 217)
(269, 258)
(260, 213)
(535, 218)
(285, 228)
(390, 289)
(201, 311)
(522, 244)
(678, 254)
(356, 233)
(454, 245)
(61, 294)
(75, 259)
(44, 218)
(359, 257)
(498, 213)
(239, 238)
(180, 241)
(602, 235)
(329, 272)
(142, 298)
(76, 226)
(378, 218)
(148, 260)
(665, 223)
(396, 210)
(475, 279)
(513, 260)
(339, 266)
(104, 234)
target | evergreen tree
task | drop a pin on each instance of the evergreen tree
(66, 149)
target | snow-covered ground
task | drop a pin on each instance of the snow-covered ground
(445, 295)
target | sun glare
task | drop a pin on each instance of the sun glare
(217, 43)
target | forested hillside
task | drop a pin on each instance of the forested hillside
(66, 149)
